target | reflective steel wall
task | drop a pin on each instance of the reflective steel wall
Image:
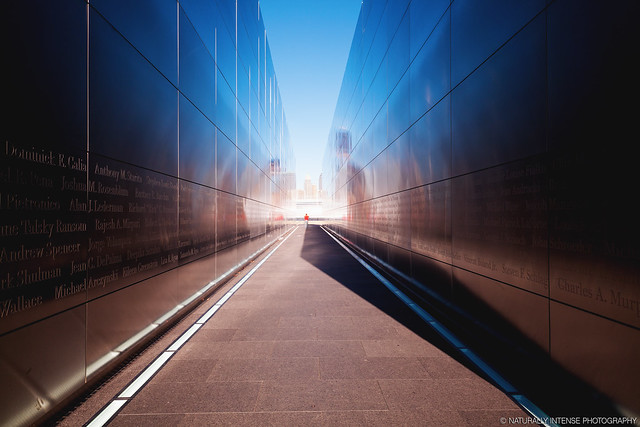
(483, 149)
(142, 148)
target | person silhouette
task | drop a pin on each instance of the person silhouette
(306, 219)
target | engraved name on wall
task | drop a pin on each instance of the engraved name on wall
(42, 231)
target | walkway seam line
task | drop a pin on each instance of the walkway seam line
(538, 414)
(118, 402)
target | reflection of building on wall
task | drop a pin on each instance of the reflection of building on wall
(274, 166)
(321, 193)
(143, 153)
(343, 143)
(289, 185)
(464, 152)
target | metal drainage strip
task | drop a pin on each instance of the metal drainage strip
(536, 413)
(121, 399)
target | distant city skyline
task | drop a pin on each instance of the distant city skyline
(310, 43)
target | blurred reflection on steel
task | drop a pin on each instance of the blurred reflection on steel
(487, 161)
(127, 190)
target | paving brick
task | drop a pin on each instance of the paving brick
(312, 339)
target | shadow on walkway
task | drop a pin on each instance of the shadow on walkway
(568, 397)
(321, 251)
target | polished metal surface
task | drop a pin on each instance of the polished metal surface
(430, 72)
(430, 221)
(40, 365)
(45, 239)
(612, 348)
(197, 69)
(197, 154)
(479, 148)
(125, 88)
(499, 224)
(46, 84)
(133, 227)
(430, 154)
(156, 39)
(525, 311)
(498, 111)
(139, 165)
(481, 28)
(115, 319)
(197, 221)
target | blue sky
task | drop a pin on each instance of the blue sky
(310, 42)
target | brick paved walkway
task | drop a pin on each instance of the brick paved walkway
(310, 339)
